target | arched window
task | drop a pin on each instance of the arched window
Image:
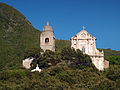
(83, 50)
(46, 40)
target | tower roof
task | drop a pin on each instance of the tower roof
(47, 27)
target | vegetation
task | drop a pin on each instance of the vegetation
(63, 69)
(16, 36)
(61, 77)
(114, 60)
(75, 58)
(45, 60)
(108, 52)
(74, 71)
(60, 44)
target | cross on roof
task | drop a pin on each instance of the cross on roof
(83, 27)
(47, 23)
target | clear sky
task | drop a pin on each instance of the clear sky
(101, 17)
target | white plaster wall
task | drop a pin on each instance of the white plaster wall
(27, 62)
(84, 39)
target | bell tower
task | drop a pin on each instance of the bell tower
(47, 39)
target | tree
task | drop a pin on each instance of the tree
(114, 60)
(34, 52)
(75, 58)
(45, 60)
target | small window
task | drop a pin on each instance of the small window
(46, 40)
(83, 50)
(75, 42)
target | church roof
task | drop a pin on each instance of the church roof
(83, 31)
(47, 27)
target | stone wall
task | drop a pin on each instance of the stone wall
(47, 34)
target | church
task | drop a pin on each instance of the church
(82, 40)
(87, 44)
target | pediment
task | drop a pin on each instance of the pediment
(83, 35)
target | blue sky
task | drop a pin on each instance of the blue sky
(101, 17)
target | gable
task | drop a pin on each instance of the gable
(83, 35)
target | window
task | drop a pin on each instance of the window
(46, 40)
(75, 42)
(83, 50)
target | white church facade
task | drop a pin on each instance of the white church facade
(87, 44)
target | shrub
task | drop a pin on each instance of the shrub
(114, 60)
(34, 52)
(113, 73)
(55, 71)
(75, 58)
(47, 59)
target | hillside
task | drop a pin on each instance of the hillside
(108, 52)
(61, 77)
(73, 71)
(16, 36)
(59, 44)
(70, 69)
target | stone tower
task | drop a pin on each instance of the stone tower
(47, 39)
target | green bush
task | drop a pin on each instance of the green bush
(55, 71)
(45, 60)
(75, 58)
(114, 60)
(113, 73)
(106, 85)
